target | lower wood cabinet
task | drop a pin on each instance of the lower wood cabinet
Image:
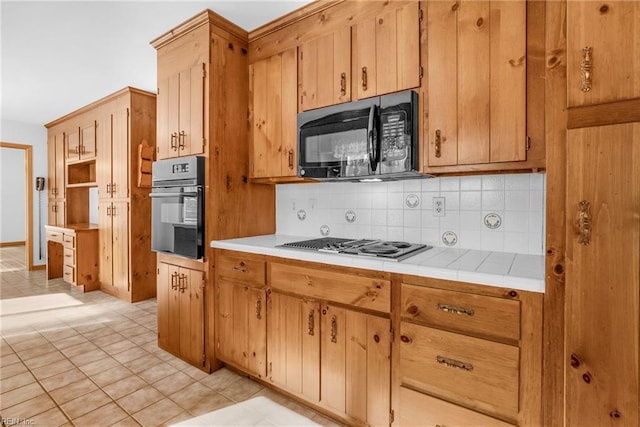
(72, 253)
(181, 303)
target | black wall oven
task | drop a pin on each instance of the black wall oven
(177, 209)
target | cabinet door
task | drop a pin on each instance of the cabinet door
(120, 154)
(612, 32)
(191, 111)
(88, 141)
(105, 236)
(325, 65)
(173, 311)
(387, 52)
(120, 254)
(163, 284)
(256, 344)
(190, 289)
(57, 214)
(477, 81)
(60, 182)
(167, 114)
(103, 161)
(356, 364)
(273, 93)
(72, 144)
(293, 344)
(603, 274)
(55, 166)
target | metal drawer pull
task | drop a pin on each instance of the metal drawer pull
(586, 67)
(311, 323)
(452, 363)
(334, 329)
(584, 223)
(240, 267)
(455, 310)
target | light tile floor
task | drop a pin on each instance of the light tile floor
(89, 359)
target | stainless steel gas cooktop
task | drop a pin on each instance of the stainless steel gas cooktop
(390, 250)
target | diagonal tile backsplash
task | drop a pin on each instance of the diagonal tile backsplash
(502, 213)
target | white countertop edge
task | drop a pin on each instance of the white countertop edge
(265, 245)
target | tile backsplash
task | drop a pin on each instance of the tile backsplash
(503, 213)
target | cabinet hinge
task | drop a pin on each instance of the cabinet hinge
(157, 91)
(204, 70)
(392, 416)
(157, 271)
(301, 55)
(204, 359)
(202, 284)
(527, 143)
(158, 149)
(421, 71)
(270, 368)
(392, 334)
(421, 15)
(301, 100)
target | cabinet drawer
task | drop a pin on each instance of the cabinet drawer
(69, 240)
(242, 269)
(479, 373)
(69, 257)
(55, 236)
(351, 289)
(417, 409)
(460, 311)
(68, 274)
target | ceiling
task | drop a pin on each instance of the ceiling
(57, 56)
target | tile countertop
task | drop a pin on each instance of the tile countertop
(501, 269)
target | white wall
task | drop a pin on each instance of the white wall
(36, 136)
(12, 195)
(503, 213)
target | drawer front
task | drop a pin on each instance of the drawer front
(460, 311)
(69, 240)
(417, 409)
(69, 257)
(68, 274)
(479, 373)
(359, 291)
(55, 236)
(242, 269)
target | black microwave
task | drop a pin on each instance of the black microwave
(367, 140)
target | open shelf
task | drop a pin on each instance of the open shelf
(81, 174)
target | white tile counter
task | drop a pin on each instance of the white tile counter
(501, 269)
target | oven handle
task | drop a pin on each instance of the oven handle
(161, 195)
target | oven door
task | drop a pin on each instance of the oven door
(177, 224)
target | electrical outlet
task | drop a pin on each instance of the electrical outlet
(439, 206)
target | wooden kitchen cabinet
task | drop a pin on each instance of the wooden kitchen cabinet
(181, 113)
(113, 221)
(325, 70)
(603, 41)
(602, 308)
(241, 312)
(57, 212)
(112, 168)
(273, 95)
(56, 166)
(468, 354)
(181, 308)
(72, 253)
(477, 80)
(293, 344)
(81, 142)
(387, 52)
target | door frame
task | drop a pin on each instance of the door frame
(28, 175)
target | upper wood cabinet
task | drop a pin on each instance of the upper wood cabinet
(273, 94)
(476, 82)
(603, 51)
(325, 70)
(387, 52)
(81, 142)
(603, 275)
(181, 113)
(56, 166)
(112, 171)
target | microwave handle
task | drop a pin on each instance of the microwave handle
(167, 195)
(373, 148)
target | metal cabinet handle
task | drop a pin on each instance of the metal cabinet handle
(452, 363)
(334, 329)
(113, 210)
(108, 188)
(584, 223)
(174, 281)
(82, 150)
(290, 154)
(109, 210)
(259, 308)
(455, 310)
(343, 84)
(181, 138)
(113, 188)
(183, 282)
(364, 78)
(174, 141)
(586, 68)
(438, 143)
(311, 323)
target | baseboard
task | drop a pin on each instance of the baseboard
(3, 244)
(39, 267)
